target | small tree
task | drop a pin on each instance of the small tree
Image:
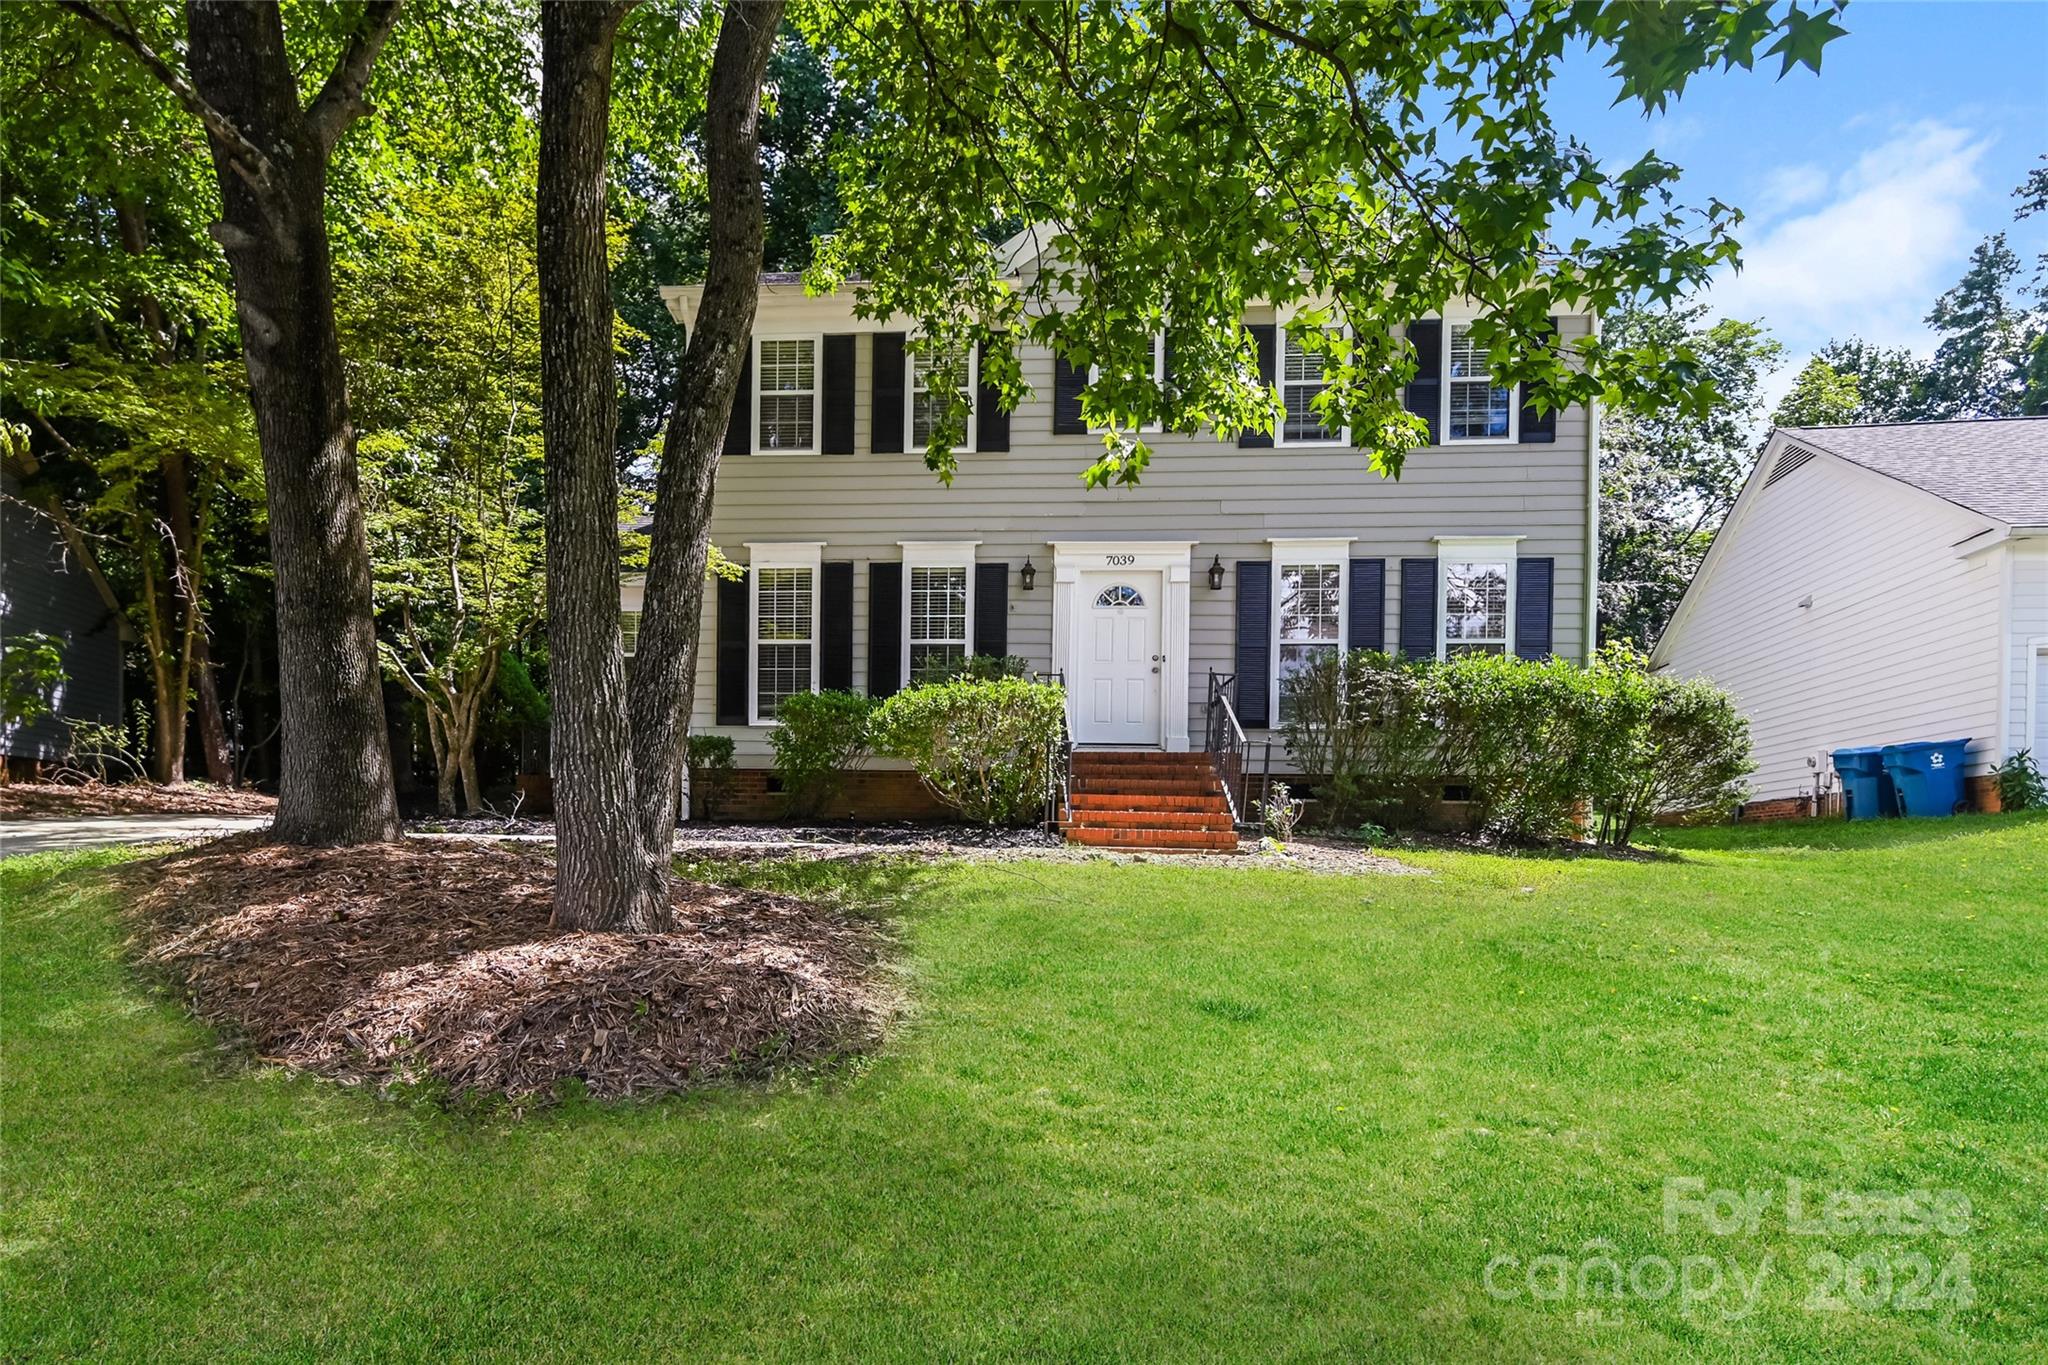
(31, 671)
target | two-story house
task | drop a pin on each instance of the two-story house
(1240, 558)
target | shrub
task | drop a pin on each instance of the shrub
(31, 671)
(711, 768)
(1674, 744)
(818, 738)
(2020, 785)
(1542, 745)
(1280, 812)
(1365, 722)
(982, 747)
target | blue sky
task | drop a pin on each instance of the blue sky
(1865, 186)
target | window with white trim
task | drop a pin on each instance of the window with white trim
(938, 608)
(1475, 607)
(1308, 611)
(1303, 375)
(786, 395)
(1475, 408)
(930, 378)
(629, 631)
(1158, 378)
(783, 660)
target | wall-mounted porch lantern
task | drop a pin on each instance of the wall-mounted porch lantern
(1216, 574)
(1029, 573)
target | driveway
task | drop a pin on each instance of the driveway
(44, 833)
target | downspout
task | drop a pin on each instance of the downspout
(1593, 519)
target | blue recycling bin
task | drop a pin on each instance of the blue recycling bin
(1866, 788)
(1928, 775)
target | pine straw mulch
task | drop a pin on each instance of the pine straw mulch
(131, 798)
(416, 962)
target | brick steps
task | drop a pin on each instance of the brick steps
(1148, 800)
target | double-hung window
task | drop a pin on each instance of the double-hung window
(783, 658)
(1475, 408)
(1308, 610)
(938, 607)
(934, 379)
(1304, 375)
(629, 631)
(1158, 378)
(1475, 594)
(786, 395)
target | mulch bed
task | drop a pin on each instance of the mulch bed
(416, 962)
(130, 798)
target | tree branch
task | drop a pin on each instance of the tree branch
(341, 100)
(250, 161)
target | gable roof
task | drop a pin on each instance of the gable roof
(1994, 466)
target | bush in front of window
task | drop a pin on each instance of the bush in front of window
(1548, 749)
(981, 668)
(984, 747)
(1365, 722)
(819, 737)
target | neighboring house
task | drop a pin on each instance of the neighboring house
(44, 589)
(1241, 558)
(1879, 584)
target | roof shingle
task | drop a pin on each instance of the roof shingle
(1996, 466)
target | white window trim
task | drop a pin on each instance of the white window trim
(629, 639)
(973, 390)
(1443, 398)
(1324, 550)
(1343, 437)
(790, 554)
(934, 554)
(817, 340)
(1470, 550)
(1158, 377)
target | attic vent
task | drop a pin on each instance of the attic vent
(1789, 461)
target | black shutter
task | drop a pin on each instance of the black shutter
(1425, 392)
(1418, 608)
(991, 420)
(1267, 338)
(1254, 642)
(1366, 627)
(886, 420)
(992, 609)
(885, 629)
(837, 372)
(1067, 382)
(739, 426)
(835, 626)
(1538, 428)
(734, 628)
(1535, 582)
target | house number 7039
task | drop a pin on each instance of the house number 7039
(1119, 561)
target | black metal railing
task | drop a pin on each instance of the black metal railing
(1229, 751)
(1059, 760)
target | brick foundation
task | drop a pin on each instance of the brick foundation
(756, 794)
(1982, 793)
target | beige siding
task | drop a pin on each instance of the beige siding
(1197, 488)
(1899, 640)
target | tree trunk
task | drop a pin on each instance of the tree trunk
(336, 784)
(607, 877)
(665, 658)
(213, 725)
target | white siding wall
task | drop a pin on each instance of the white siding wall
(1899, 640)
(1197, 488)
(2029, 615)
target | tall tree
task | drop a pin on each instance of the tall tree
(1668, 477)
(270, 151)
(450, 443)
(1979, 367)
(1820, 396)
(1891, 382)
(617, 777)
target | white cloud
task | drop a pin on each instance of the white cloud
(1889, 233)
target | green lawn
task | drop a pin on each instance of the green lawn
(1151, 1111)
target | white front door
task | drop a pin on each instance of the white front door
(1116, 678)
